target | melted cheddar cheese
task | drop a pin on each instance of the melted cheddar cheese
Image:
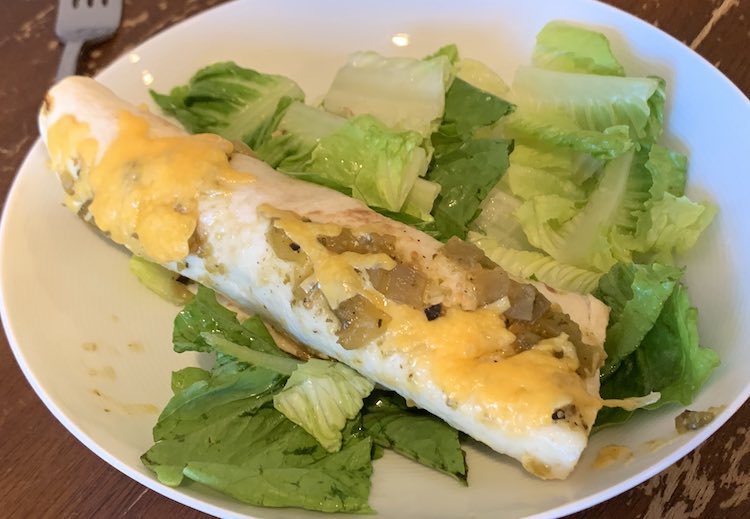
(143, 192)
(468, 355)
(339, 276)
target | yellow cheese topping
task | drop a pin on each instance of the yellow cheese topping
(338, 275)
(471, 359)
(468, 355)
(144, 190)
(72, 148)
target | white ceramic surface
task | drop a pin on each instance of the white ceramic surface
(64, 289)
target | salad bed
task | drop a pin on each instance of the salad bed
(560, 178)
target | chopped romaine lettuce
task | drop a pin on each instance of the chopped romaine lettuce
(205, 314)
(587, 190)
(320, 396)
(466, 166)
(592, 219)
(159, 280)
(635, 295)
(669, 360)
(360, 157)
(581, 238)
(420, 199)
(414, 433)
(291, 143)
(576, 167)
(286, 466)
(527, 182)
(234, 102)
(219, 429)
(567, 48)
(467, 108)
(497, 220)
(380, 165)
(466, 175)
(282, 365)
(668, 171)
(559, 131)
(403, 93)
(256, 455)
(669, 222)
(591, 102)
(231, 389)
(673, 225)
(481, 76)
(186, 377)
(528, 264)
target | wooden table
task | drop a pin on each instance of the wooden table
(45, 472)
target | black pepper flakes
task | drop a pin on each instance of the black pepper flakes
(433, 312)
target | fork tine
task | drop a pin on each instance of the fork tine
(79, 21)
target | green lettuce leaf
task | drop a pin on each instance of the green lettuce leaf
(466, 175)
(449, 51)
(403, 93)
(659, 219)
(592, 219)
(635, 295)
(466, 166)
(159, 280)
(591, 102)
(669, 223)
(227, 393)
(668, 171)
(237, 103)
(379, 164)
(681, 373)
(259, 457)
(186, 377)
(219, 428)
(467, 108)
(527, 182)
(582, 237)
(420, 200)
(359, 157)
(321, 396)
(655, 126)
(673, 225)
(479, 75)
(669, 360)
(559, 131)
(567, 48)
(205, 314)
(497, 218)
(290, 145)
(415, 434)
(528, 264)
(579, 168)
(234, 352)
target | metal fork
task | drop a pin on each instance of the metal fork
(81, 21)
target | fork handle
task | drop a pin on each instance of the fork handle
(69, 60)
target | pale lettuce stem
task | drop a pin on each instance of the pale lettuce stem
(281, 365)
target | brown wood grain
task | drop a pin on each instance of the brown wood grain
(45, 472)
